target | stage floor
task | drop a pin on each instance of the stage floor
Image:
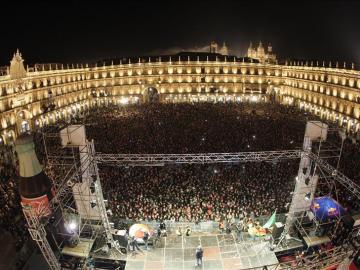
(221, 252)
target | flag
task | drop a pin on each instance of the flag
(270, 222)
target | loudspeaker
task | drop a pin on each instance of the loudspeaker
(278, 228)
(323, 229)
(123, 241)
(307, 220)
(312, 169)
(348, 221)
(320, 231)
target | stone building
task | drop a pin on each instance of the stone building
(260, 54)
(31, 98)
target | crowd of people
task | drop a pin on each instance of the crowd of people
(197, 193)
(199, 128)
(188, 192)
(11, 219)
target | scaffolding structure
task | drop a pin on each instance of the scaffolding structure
(70, 168)
(38, 234)
(69, 159)
(202, 158)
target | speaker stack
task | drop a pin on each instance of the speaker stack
(278, 228)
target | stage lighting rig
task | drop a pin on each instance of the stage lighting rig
(92, 188)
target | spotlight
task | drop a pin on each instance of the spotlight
(92, 188)
(72, 226)
(72, 222)
(307, 196)
(92, 204)
(52, 220)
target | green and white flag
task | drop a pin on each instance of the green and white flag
(270, 222)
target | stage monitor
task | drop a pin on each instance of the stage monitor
(277, 230)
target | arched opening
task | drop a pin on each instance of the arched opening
(23, 121)
(151, 95)
(2, 141)
(25, 127)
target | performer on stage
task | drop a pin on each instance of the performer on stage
(199, 255)
(146, 238)
(239, 230)
(179, 231)
(188, 231)
(134, 244)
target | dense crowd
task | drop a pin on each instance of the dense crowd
(199, 192)
(182, 192)
(199, 128)
(11, 218)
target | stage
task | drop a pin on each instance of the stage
(221, 252)
(81, 250)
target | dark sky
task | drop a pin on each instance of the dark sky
(80, 31)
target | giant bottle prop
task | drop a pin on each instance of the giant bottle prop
(35, 187)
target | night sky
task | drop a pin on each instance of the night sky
(85, 31)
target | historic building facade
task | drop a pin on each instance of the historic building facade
(33, 97)
(260, 54)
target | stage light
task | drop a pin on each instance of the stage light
(92, 188)
(304, 170)
(307, 196)
(72, 226)
(92, 204)
(72, 221)
(307, 181)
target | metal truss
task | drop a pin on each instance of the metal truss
(162, 159)
(335, 256)
(94, 170)
(38, 234)
(202, 158)
(335, 175)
